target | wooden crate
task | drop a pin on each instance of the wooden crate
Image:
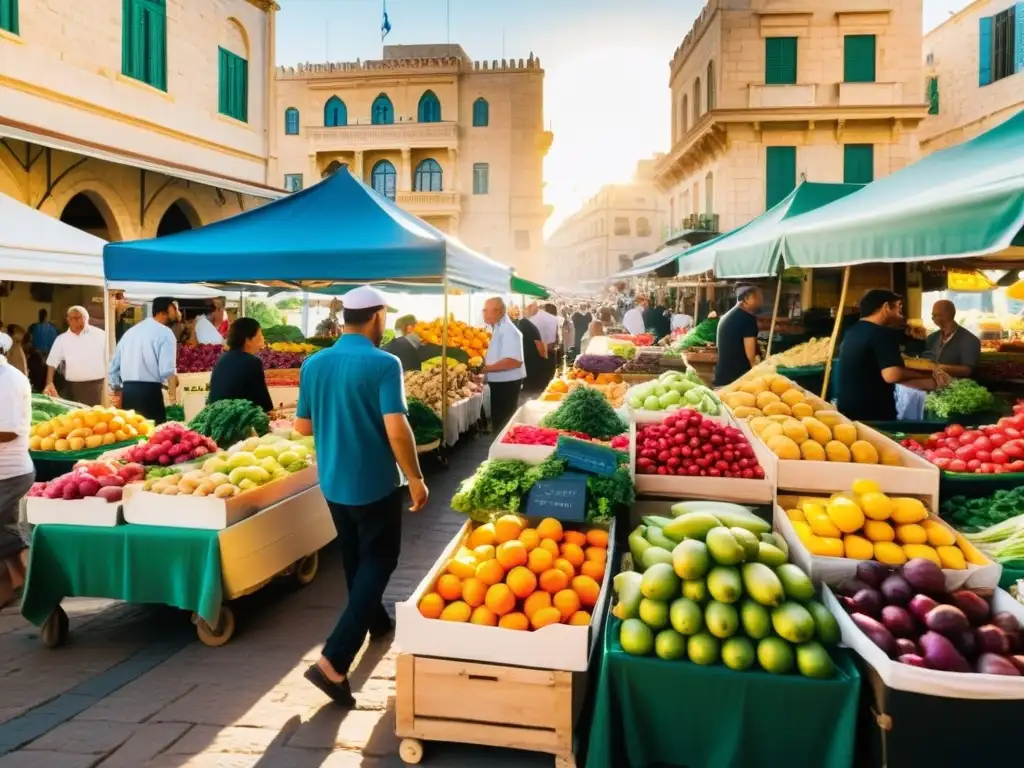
(489, 704)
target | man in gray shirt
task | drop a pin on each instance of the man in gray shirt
(953, 347)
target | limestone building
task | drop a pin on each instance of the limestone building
(974, 72)
(765, 94)
(459, 143)
(619, 224)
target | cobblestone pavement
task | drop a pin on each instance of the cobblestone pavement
(133, 687)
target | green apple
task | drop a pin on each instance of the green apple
(652, 404)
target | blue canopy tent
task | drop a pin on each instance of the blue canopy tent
(336, 232)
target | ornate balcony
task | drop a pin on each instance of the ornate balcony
(769, 96)
(350, 138)
(870, 94)
(430, 203)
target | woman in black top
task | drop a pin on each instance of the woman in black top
(238, 374)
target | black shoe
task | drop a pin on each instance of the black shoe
(382, 631)
(339, 693)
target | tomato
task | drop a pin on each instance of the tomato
(1012, 433)
(997, 439)
(945, 453)
(957, 465)
(983, 456)
(965, 452)
(999, 456)
(1016, 466)
(987, 468)
(954, 430)
(972, 465)
(983, 443)
(941, 463)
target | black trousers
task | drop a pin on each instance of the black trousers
(504, 402)
(146, 398)
(370, 537)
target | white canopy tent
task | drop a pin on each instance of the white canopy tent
(37, 248)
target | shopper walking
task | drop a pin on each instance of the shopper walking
(145, 359)
(44, 333)
(352, 400)
(503, 364)
(16, 470)
(82, 350)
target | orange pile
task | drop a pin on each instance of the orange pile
(508, 575)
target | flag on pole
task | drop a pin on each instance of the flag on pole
(385, 24)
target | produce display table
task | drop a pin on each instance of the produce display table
(53, 464)
(810, 377)
(196, 570)
(179, 567)
(462, 416)
(651, 712)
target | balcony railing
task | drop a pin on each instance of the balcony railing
(870, 94)
(707, 222)
(429, 203)
(395, 136)
(769, 96)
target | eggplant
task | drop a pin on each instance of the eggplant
(872, 573)
(896, 590)
(947, 620)
(940, 653)
(991, 639)
(913, 660)
(850, 587)
(876, 632)
(869, 602)
(924, 576)
(905, 645)
(898, 621)
(992, 664)
(974, 606)
(921, 605)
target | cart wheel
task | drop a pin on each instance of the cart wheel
(565, 761)
(411, 751)
(54, 632)
(216, 637)
(306, 568)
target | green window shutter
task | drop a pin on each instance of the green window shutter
(9, 15)
(780, 174)
(933, 95)
(858, 163)
(144, 41)
(780, 60)
(232, 85)
(859, 58)
(985, 50)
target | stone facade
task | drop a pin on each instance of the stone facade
(502, 217)
(725, 116)
(964, 108)
(613, 228)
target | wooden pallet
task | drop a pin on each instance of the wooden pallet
(489, 704)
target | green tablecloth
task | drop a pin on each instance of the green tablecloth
(649, 712)
(179, 567)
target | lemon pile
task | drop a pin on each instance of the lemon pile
(88, 428)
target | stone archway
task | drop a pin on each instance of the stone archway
(180, 216)
(84, 211)
(119, 221)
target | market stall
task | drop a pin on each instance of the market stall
(265, 517)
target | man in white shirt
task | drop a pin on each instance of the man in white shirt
(207, 325)
(82, 350)
(546, 323)
(16, 470)
(633, 320)
(503, 364)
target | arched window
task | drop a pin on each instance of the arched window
(684, 117)
(428, 176)
(696, 100)
(384, 178)
(291, 121)
(643, 227)
(711, 86)
(709, 193)
(430, 108)
(335, 112)
(481, 113)
(382, 112)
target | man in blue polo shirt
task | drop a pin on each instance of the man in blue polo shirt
(352, 400)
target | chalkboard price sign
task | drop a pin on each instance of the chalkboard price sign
(563, 498)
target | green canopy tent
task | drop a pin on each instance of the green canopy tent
(528, 288)
(738, 253)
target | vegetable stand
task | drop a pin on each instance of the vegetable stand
(197, 570)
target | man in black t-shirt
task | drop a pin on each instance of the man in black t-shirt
(580, 323)
(870, 362)
(737, 336)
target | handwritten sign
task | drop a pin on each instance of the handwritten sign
(588, 457)
(563, 498)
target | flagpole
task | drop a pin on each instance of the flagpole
(448, 8)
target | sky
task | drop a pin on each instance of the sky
(606, 66)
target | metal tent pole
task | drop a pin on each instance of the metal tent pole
(444, 369)
(775, 312)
